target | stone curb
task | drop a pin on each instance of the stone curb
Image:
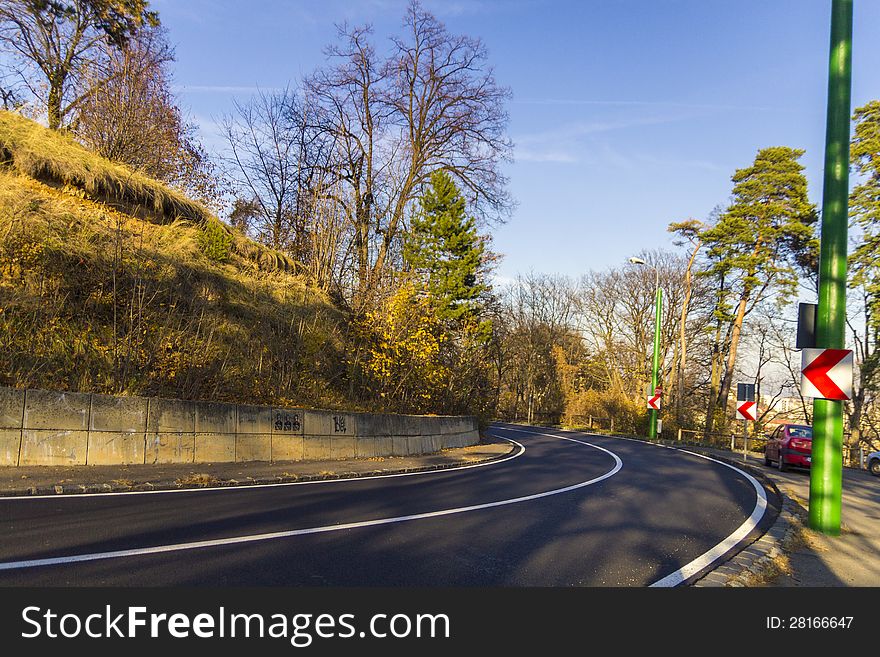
(753, 561)
(86, 489)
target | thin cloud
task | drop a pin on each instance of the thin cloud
(221, 89)
(565, 144)
(643, 103)
(578, 129)
(529, 155)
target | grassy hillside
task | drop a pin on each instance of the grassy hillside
(105, 285)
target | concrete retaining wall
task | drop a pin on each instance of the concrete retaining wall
(41, 427)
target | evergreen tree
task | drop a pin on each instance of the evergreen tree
(445, 251)
(864, 208)
(865, 199)
(757, 247)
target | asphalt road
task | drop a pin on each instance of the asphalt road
(556, 513)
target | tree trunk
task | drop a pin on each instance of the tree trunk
(715, 375)
(727, 380)
(682, 349)
(56, 93)
(714, 381)
(362, 251)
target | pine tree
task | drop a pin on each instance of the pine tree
(865, 199)
(757, 247)
(864, 208)
(445, 251)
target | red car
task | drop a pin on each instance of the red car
(789, 445)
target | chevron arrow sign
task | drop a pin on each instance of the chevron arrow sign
(827, 373)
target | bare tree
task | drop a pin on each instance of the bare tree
(432, 104)
(536, 317)
(354, 114)
(133, 117)
(10, 92)
(58, 42)
(263, 141)
(689, 233)
(450, 111)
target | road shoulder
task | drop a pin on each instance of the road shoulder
(790, 554)
(84, 479)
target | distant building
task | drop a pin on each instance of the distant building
(783, 410)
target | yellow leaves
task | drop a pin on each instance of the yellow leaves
(408, 338)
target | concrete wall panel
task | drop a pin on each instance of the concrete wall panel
(373, 424)
(399, 446)
(118, 414)
(287, 421)
(46, 409)
(342, 447)
(253, 447)
(287, 448)
(215, 418)
(214, 448)
(329, 423)
(171, 416)
(410, 425)
(114, 448)
(53, 447)
(317, 448)
(254, 419)
(366, 447)
(171, 448)
(10, 445)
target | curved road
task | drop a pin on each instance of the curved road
(564, 509)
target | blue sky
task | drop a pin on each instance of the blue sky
(626, 114)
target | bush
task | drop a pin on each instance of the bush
(629, 416)
(215, 241)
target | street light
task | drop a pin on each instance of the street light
(655, 370)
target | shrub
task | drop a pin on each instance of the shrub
(215, 241)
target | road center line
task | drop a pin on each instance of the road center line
(237, 540)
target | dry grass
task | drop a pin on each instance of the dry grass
(104, 288)
(796, 540)
(197, 479)
(773, 569)
(93, 298)
(57, 158)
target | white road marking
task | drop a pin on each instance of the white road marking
(246, 487)
(714, 554)
(236, 540)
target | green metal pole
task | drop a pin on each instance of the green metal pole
(826, 473)
(655, 370)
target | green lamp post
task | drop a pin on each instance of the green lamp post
(655, 369)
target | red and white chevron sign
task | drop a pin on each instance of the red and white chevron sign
(654, 400)
(745, 410)
(827, 373)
